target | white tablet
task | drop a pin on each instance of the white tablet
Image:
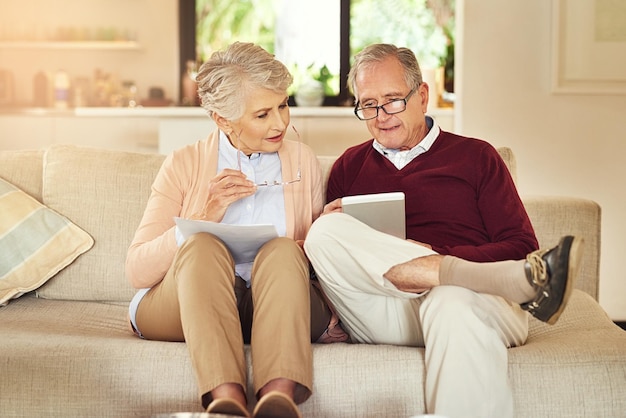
(381, 211)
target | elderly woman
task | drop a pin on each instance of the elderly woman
(191, 289)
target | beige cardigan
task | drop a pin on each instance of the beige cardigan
(181, 189)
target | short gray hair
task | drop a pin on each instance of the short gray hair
(378, 52)
(225, 77)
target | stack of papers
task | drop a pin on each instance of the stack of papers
(243, 241)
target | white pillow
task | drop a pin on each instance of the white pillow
(35, 242)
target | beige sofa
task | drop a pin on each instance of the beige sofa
(65, 350)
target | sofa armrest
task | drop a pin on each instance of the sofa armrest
(555, 216)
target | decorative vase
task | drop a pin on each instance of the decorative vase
(310, 93)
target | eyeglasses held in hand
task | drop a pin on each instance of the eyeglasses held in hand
(268, 183)
(391, 108)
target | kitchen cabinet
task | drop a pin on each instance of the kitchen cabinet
(327, 130)
(71, 45)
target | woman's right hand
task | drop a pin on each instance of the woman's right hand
(226, 187)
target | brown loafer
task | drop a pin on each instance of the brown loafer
(227, 406)
(276, 405)
(552, 273)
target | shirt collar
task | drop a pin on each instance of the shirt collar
(402, 158)
(228, 152)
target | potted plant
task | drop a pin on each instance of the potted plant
(314, 86)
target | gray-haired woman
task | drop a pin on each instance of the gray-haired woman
(191, 289)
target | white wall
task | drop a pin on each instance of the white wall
(565, 144)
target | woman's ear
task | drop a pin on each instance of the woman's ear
(222, 123)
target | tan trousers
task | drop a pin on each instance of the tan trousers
(465, 334)
(202, 302)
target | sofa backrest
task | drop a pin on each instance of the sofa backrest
(105, 192)
(23, 169)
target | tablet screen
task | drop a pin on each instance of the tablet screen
(381, 211)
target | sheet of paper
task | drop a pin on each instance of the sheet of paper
(243, 241)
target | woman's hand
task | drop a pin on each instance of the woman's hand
(226, 187)
(334, 206)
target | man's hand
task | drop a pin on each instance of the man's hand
(423, 244)
(334, 206)
(417, 275)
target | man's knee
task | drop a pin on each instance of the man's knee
(324, 229)
(449, 304)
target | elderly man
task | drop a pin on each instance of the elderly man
(463, 282)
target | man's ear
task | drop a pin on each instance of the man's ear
(424, 91)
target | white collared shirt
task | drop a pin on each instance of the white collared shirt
(401, 158)
(266, 206)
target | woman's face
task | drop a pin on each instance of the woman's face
(263, 124)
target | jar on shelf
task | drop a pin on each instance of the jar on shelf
(62, 86)
(189, 85)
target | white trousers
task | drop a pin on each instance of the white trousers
(465, 334)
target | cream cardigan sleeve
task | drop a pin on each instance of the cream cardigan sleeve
(304, 201)
(179, 189)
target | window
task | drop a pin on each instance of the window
(317, 39)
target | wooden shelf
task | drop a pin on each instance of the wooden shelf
(69, 45)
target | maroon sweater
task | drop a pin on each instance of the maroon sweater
(460, 197)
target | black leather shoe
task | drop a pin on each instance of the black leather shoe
(552, 273)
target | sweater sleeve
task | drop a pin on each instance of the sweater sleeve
(510, 233)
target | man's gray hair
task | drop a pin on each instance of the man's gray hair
(379, 52)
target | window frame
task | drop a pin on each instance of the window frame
(187, 49)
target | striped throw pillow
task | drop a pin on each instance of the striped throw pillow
(35, 242)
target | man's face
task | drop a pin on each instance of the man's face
(382, 82)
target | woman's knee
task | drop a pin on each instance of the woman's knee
(205, 246)
(281, 260)
(200, 252)
(202, 241)
(281, 248)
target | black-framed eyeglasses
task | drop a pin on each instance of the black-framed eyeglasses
(391, 107)
(268, 183)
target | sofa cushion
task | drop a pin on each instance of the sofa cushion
(105, 192)
(95, 360)
(23, 169)
(35, 242)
